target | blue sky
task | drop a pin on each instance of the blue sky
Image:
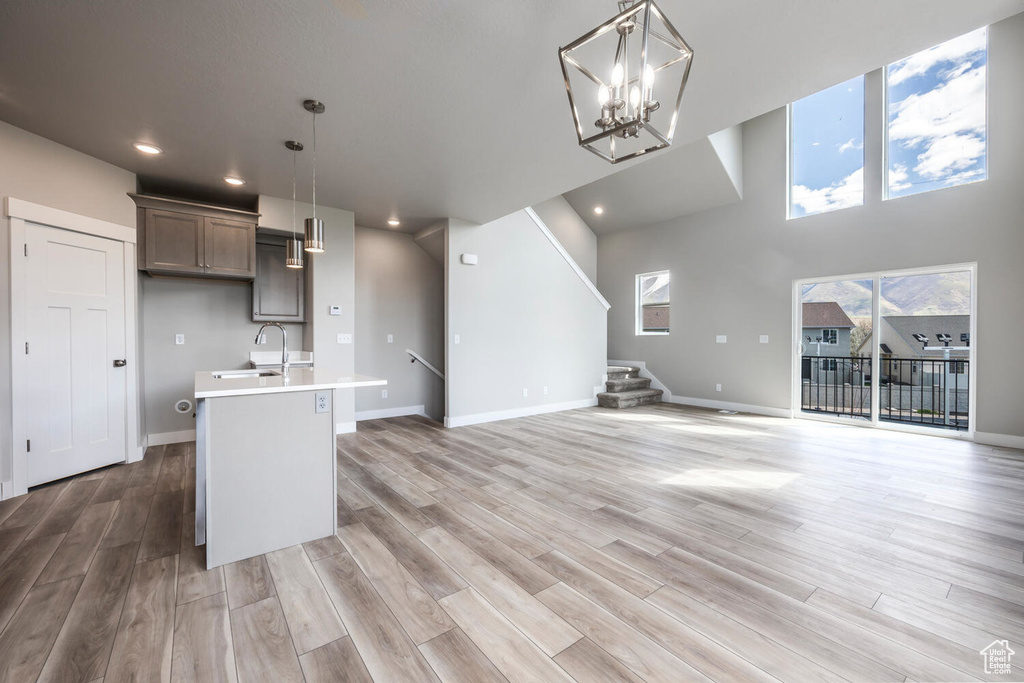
(936, 117)
(827, 146)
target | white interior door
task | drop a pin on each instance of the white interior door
(75, 320)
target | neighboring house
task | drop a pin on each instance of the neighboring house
(826, 333)
(897, 345)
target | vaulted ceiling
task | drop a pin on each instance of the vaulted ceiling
(434, 107)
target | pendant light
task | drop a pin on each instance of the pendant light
(293, 257)
(314, 226)
(629, 50)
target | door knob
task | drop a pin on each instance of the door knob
(120, 363)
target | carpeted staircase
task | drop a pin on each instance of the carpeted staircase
(627, 389)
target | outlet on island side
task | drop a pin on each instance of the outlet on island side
(323, 401)
(718, 387)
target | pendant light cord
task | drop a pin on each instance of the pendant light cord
(294, 171)
(314, 165)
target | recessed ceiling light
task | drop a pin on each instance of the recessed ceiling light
(231, 180)
(146, 148)
(394, 222)
(598, 210)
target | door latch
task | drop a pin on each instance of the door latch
(120, 363)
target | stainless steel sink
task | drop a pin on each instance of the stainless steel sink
(245, 374)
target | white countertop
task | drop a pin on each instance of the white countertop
(297, 379)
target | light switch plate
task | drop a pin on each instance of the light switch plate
(344, 338)
(718, 387)
(391, 339)
(179, 339)
(323, 401)
(763, 338)
(457, 339)
(334, 310)
(720, 339)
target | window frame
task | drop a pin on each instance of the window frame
(885, 124)
(825, 335)
(864, 157)
(639, 307)
(828, 365)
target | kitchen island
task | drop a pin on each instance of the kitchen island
(265, 458)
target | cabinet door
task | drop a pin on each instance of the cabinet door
(174, 242)
(278, 292)
(230, 248)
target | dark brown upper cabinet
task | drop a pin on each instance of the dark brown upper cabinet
(195, 240)
(278, 292)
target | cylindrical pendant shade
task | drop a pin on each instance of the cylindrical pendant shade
(314, 235)
(293, 258)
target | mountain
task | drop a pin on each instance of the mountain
(939, 294)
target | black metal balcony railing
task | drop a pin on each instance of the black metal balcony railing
(930, 392)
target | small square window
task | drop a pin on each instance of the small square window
(652, 303)
(828, 365)
(830, 336)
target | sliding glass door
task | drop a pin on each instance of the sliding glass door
(890, 349)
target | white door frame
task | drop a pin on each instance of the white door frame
(20, 213)
(876, 277)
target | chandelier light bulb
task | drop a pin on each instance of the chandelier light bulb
(604, 96)
(618, 74)
(648, 78)
(634, 97)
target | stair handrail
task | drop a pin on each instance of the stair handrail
(565, 254)
(418, 357)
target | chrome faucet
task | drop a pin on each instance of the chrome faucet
(284, 342)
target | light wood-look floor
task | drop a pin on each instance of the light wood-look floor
(655, 544)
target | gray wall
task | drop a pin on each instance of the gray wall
(216, 318)
(733, 268)
(40, 171)
(525, 320)
(330, 279)
(399, 291)
(572, 232)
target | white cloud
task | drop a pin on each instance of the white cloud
(949, 154)
(955, 50)
(956, 106)
(898, 178)
(850, 144)
(847, 192)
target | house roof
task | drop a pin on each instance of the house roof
(930, 325)
(825, 314)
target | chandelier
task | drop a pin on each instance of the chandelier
(615, 107)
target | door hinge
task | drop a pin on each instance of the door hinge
(28, 445)
(26, 249)
(26, 348)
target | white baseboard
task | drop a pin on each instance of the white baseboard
(6, 487)
(390, 412)
(1001, 440)
(647, 374)
(727, 405)
(165, 438)
(345, 427)
(480, 418)
(136, 454)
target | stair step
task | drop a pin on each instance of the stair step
(622, 372)
(629, 399)
(615, 386)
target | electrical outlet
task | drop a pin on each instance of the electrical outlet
(344, 338)
(457, 339)
(383, 393)
(391, 339)
(334, 310)
(323, 401)
(525, 392)
(763, 339)
(720, 339)
(179, 339)
(545, 391)
(718, 387)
